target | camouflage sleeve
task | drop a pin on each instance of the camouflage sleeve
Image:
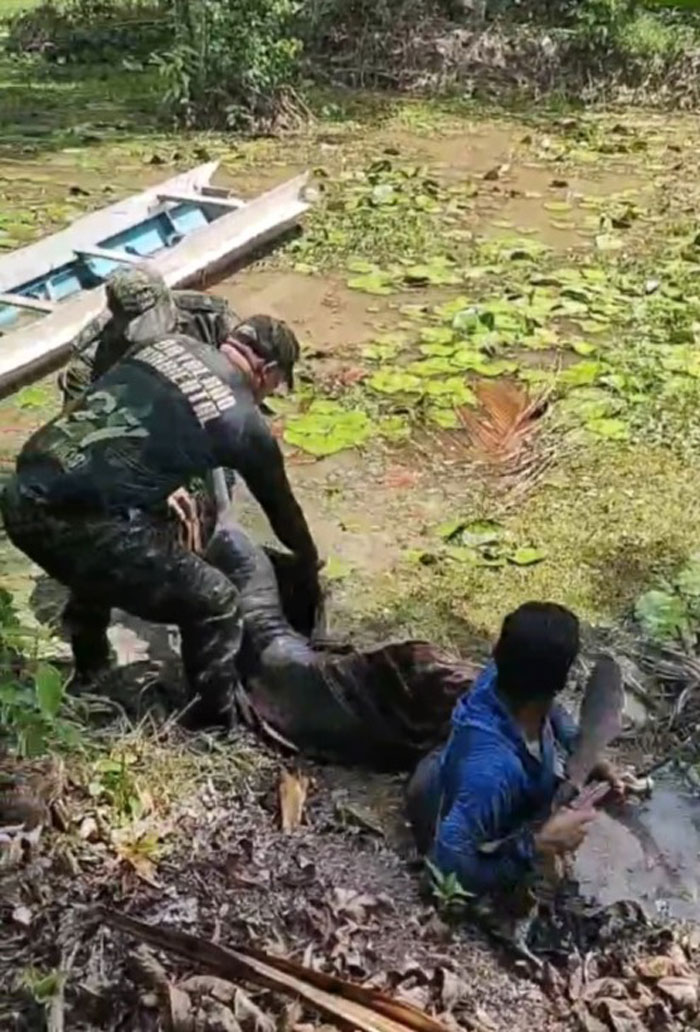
(78, 374)
(208, 317)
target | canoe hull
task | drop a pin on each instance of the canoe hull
(34, 350)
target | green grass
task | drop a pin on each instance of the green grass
(10, 7)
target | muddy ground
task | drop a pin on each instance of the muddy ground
(186, 830)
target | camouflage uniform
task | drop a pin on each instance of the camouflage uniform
(134, 561)
(88, 503)
(132, 293)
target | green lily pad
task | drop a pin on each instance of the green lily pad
(609, 427)
(326, 428)
(437, 350)
(481, 532)
(592, 326)
(452, 389)
(441, 335)
(445, 418)
(467, 358)
(393, 381)
(580, 374)
(431, 367)
(437, 274)
(450, 528)
(589, 403)
(380, 283)
(384, 347)
(499, 367)
(35, 396)
(583, 348)
(459, 554)
(527, 556)
(557, 207)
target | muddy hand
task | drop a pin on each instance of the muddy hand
(183, 505)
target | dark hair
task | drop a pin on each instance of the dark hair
(539, 642)
(272, 340)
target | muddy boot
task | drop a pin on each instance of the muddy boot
(212, 712)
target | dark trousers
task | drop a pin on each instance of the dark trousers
(134, 562)
(423, 799)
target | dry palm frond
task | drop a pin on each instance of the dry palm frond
(502, 437)
(349, 1005)
(503, 427)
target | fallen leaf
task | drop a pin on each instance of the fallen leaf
(293, 788)
(354, 905)
(142, 865)
(452, 989)
(605, 987)
(586, 1021)
(249, 1015)
(214, 1017)
(22, 916)
(620, 1015)
(209, 985)
(180, 1015)
(88, 830)
(655, 967)
(682, 992)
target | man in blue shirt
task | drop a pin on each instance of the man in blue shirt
(481, 806)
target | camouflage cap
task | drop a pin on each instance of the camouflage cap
(273, 340)
(141, 303)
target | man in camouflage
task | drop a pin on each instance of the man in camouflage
(89, 499)
(134, 292)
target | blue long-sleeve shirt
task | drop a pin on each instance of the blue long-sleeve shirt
(492, 787)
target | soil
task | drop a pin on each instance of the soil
(341, 891)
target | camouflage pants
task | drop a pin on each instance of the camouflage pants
(135, 563)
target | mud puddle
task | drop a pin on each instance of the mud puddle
(648, 852)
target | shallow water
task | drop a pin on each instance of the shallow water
(648, 852)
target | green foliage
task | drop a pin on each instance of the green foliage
(31, 692)
(447, 892)
(672, 611)
(326, 428)
(113, 782)
(91, 31)
(485, 543)
(232, 64)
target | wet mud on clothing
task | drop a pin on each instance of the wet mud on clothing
(165, 415)
(204, 317)
(134, 562)
(383, 707)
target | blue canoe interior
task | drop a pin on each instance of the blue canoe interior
(154, 234)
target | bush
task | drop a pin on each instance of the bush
(234, 62)
(31, 692)
(91, 30)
